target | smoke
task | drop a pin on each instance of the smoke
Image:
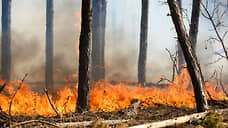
(121, 56)
(28, 39)
(122, 41)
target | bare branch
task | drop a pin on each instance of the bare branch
(220, 55)
(215, 29)
(204, 15)
(215, 61)
(174, 60)
(2, 87)
(89, 123)
(33, 121)
(224, 35)
(52, 105)
(212, 38)
(11, 102)
(214, 10)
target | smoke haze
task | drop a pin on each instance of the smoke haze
(122, 40)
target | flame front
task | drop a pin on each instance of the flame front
(104, 96)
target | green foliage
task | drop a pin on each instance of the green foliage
(212, 120)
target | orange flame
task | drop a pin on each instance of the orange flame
(103, 96)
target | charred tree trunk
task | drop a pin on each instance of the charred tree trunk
(143, 43)
(190, 57)
(180, 59)
(49, 45)
(193, 32)
(84, 56)
(6, 39)
(98, 39)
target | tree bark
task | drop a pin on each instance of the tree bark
(180, 59)
(193, 32)
(143, 43)
(190, 57)
(84, 56)
(98, 39)
(49, 45)
(6, 39)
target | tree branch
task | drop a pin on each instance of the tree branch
(11, 102)
(52, 105)
(210, 17)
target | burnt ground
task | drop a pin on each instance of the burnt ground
(140, 116)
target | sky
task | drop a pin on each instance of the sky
(122, 39)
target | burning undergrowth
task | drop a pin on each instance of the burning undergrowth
(105, 96)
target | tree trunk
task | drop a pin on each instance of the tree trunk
(190, 57)
(98, 39)
(193, 32)
(104, 6)
(143, 43)
(84, 56)
(49, 45)
(180, 59)
(6, 39)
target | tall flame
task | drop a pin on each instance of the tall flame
(103, 96)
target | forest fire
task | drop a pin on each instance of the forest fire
(104, 96)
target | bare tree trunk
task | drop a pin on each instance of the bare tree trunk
(49, 45)
(104, 6)
(99, 17)
(190, 57)
(193, 32)
(180, 59)
(143, 43)
(84, 56)
(6, 39)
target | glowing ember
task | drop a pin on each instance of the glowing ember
(104, 96)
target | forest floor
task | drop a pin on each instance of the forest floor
(130, 117)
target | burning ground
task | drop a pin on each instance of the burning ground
(110, 101)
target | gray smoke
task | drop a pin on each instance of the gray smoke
(122, 41)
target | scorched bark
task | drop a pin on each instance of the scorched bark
(84, 56)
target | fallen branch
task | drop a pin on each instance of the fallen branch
(172, 122)
(34, 121)
(11, 102)
(52, 105)
(4, 116)
(3, 86)
(163, 78)
(90, 123)
(178, 120)
(221, 111)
